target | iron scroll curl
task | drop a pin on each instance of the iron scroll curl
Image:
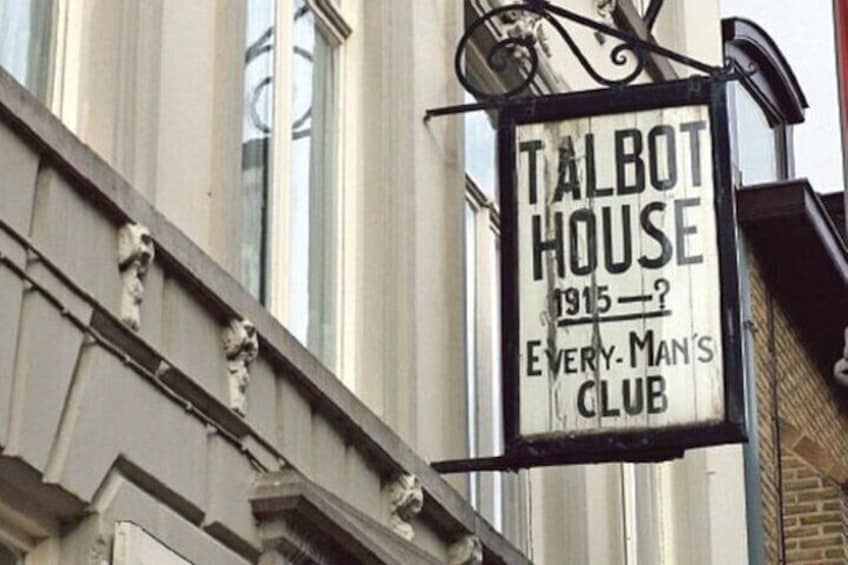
(519, 48)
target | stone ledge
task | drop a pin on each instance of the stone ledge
(225, 297)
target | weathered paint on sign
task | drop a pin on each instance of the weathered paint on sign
(618, 273)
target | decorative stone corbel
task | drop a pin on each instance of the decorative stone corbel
(527, 27)
(241, 347)
(605, 10)
(466, 551)
(840, 369)
(99, 552)
(135, 253)
(406, 498)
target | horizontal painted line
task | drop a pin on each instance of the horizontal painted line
(621, 318)
(639, 298)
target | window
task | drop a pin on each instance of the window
(483, 347)
(756, 151)
(26, 42)
(291, 220)
(256, 144)
(313, 217)
(500, 497)
(764, 104)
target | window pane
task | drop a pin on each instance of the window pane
(313, 200)
(26, 38)
(256, 143)
(480, 152)
(497, 425)
(755, 140)
(471, 343)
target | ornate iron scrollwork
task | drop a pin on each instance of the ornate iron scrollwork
(520, 45)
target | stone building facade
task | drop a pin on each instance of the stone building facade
(191, 375)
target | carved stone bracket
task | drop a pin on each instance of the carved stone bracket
(135, 253)
(605, 8)
(466, 551)
(406, 498)
(241, 347)
(526, 28)
(840, 369)
(99, 552)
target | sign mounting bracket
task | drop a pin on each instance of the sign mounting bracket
(519, 52)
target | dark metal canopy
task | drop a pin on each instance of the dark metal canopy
(805, 259)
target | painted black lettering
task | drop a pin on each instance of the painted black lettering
(684, 229)
(680, 347)
(638, 345)
(587, 359)
(694, 130)
(606, 411)
(666, 132)
(634, 398)
(663, 356)
(657, 235)
(567, 179)
(623, 158)
(615, 267)
(592, 190)
(582, 408)
(532, 147)
(540, 246)
(657, 400)
(705, 344)
(555, 359)
(533, 358)
(586, 217)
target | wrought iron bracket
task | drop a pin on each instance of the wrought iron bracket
(514, 463)
(519, 50)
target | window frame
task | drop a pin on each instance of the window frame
(485, 421)
(770, 81)
(331, 21)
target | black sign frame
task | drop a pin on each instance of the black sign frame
(628, 445)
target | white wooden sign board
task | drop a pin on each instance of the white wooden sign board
(618, 273)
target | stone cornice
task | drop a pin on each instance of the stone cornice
(225, 299)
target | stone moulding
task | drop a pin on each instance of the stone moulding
(406, 499)
(466, 551)
(224, 298)
(605, 10)
(241, 347)
(135, 253)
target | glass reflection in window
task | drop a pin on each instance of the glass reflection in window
(313, 199)
(480, 150)
(26, 42)
(757, 155)
(256, 144)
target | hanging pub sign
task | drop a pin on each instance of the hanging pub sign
(621, 326)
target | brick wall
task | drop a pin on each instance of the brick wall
(814, 515)
(810, 465)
